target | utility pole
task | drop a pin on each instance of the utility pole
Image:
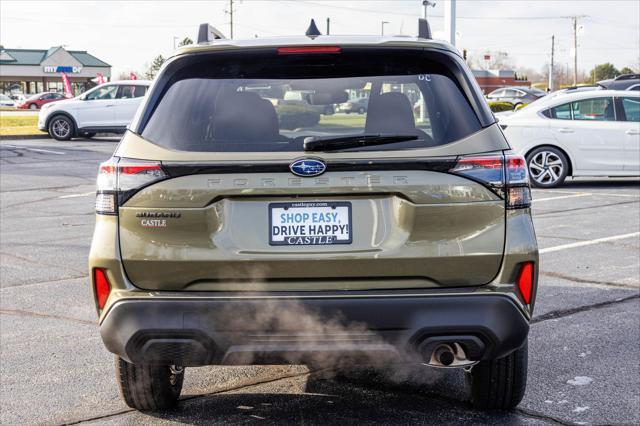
(450, 21)
(552, 85)
(328, 25)
(574, 22)
(382, 26)
(230, 12)
(575, 50)
(231, 16)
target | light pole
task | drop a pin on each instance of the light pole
(427, 3)
(382, 27)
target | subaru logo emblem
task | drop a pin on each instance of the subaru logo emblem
(308, 167)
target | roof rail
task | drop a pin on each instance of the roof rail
(627, 77)
(207, 33)
(424, 30)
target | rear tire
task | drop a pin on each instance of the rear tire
(500, 383)
(148, 387)
(548, 167)
(33, 107)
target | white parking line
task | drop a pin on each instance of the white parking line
(581, 194)
(589, 242)
(48, 151)
(77, 195)
(45, 150)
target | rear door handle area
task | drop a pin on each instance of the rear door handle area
(633, 132)
(110, 105)
(565, 130)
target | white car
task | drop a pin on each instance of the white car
(108, 107)
(6, 101)
(589, 133)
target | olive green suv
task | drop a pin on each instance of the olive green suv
(235, 229)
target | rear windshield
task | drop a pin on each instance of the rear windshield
(269, 102)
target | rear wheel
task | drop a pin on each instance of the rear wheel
(33, 106)
(361, 111)
(61, 128)
(149, 387)
(500, 383)
(548, 167)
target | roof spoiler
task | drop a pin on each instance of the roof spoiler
(424, 30)
(208, 33)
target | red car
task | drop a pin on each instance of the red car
(36, 101)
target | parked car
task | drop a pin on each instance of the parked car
(589, 133)
(39, 99)
(6, 101)
(516, 95)
(223, 237)
(18, 97)
(622, 82)
(306, 99)
(358, 105)
(108, 107)
(573, 89)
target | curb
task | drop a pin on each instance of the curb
(17, 137)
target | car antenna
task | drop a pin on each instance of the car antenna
(313, 31)
(424, 30)
(208, 33)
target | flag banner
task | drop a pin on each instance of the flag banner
(67, 86)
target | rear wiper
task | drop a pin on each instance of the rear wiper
(315, 143)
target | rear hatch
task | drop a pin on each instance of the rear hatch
(221, 187)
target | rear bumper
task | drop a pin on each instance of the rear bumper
(194, 332)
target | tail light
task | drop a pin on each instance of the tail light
(308, 49)
(120, 178)
(506, 175)
(525, 281)
(102, 287)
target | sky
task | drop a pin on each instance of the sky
(129, 34)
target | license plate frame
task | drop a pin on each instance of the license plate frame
(312, 240)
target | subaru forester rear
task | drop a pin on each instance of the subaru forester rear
(233, 228)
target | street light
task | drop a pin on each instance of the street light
(382, 27)
(427, 3)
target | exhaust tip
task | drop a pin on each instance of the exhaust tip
(444, 355)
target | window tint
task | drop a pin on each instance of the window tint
(561, 112)
(631, 107)
(273, 105)
(496, 93)
(129, 92)
(105, 92)
(597, 109)
(510, 93)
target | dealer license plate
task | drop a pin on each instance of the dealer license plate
(310, 223)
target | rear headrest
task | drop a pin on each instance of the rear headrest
(390, 113)
(245, 116)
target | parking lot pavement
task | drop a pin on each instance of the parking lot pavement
(584, 342)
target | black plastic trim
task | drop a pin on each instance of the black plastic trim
(132, 326)
(441, 164)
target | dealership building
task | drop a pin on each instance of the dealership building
(30, 71)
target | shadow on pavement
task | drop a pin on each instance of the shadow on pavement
(363, 397)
